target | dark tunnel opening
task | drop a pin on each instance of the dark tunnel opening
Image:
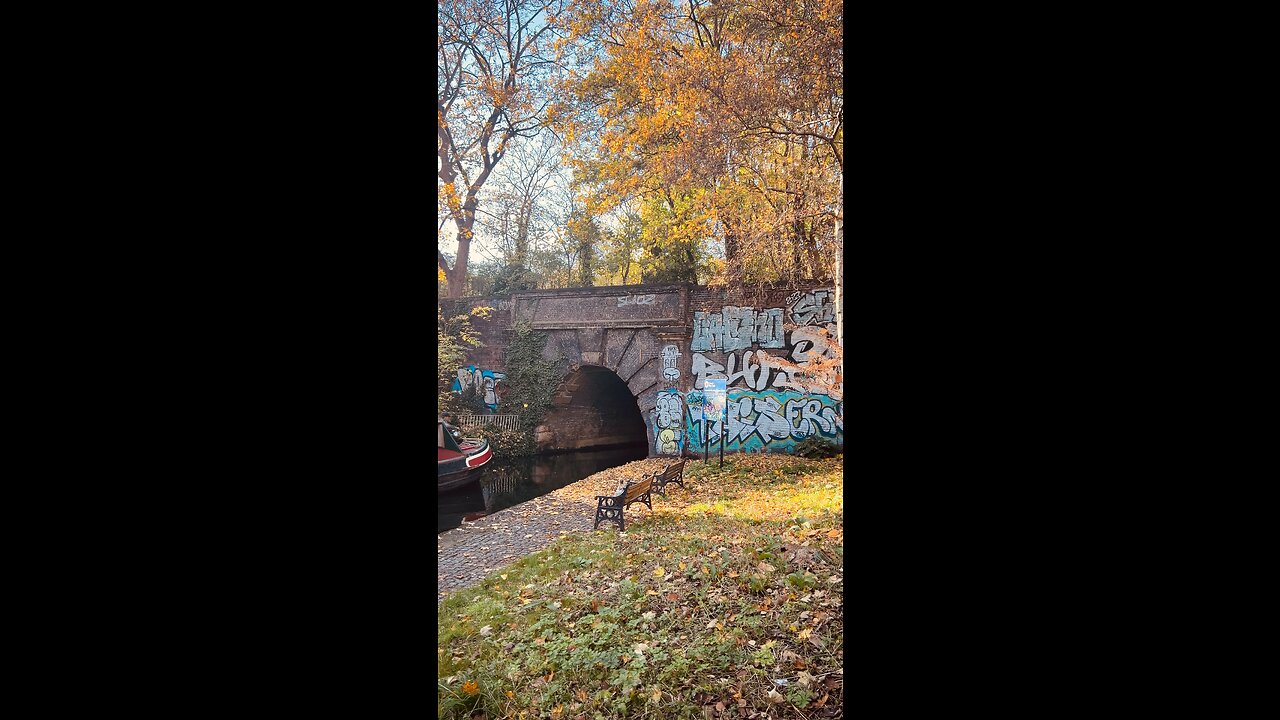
(595, 409)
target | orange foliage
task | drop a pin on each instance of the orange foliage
(736, 105)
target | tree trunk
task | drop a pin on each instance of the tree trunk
(840, 272)
(457, 275)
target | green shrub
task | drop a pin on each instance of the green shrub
(815, 447)
(505, 443)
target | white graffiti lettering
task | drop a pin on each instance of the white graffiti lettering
(670, 356)
(759, 420)
(636, 300)
(812, 308)
(759, 371)
(809, 417)
(808, 343)
(736, 328)
(668, 434)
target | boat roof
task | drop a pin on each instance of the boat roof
(445, 439)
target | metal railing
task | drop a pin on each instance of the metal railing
(506, 422)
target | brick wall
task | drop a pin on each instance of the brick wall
(664, 341)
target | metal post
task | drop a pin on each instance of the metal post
(724, 420)
(706, 427)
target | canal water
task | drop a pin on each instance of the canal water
(508, 482)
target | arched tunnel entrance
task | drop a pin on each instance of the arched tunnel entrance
(594, 408)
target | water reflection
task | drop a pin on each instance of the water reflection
(514, 480)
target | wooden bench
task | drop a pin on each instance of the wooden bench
(669, 474)
(610, 507)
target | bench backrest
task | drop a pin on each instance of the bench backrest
(636, 489)
(673, 470)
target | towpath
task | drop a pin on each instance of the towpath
(468, 554)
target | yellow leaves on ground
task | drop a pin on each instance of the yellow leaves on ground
(729, 589)
(470, 687)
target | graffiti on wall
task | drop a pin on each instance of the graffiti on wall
(736, 328)
(485, 382)
(668, 423)
(813, 308)
(625, 300)
(670, 361)
(770, 420)
(775, 399)
(759, 370)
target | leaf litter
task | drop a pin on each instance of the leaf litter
(767, 541)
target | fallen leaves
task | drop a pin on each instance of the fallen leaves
(727, 588)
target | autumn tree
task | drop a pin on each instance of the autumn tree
(733, 112)
(496, 62)
(585, 238)
(620, 250)
(522, 206)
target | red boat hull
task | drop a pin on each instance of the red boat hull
(456, 469)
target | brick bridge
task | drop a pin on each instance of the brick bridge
(634, 358)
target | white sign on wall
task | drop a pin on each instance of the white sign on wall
(716, 393)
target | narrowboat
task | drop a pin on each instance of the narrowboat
(461, 460)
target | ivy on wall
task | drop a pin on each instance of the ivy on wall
(531, 384)
(455, 337)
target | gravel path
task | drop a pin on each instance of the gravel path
(468, 554)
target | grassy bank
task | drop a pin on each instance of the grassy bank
(725, 601)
